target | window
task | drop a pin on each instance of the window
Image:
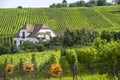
(15, 42)
(20, 42)
(23, 35)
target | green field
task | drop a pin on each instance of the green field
(11, 20)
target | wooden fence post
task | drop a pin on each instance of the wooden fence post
(4, 74)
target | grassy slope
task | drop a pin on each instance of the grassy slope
(100, 18)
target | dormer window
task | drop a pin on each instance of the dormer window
(23, 34)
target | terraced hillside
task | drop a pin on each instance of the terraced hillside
(99, 18)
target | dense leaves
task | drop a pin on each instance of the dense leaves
(79, 37)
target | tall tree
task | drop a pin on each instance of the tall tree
(59, 5)
(91, 3)
(64, 3)
(101, 2)
(72, 5)
(115, 1)
(118, 1)
(53, 5)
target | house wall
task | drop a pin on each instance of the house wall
(48, 30)
(32, 39)
(25, 39)
(21, 32)
(46, 36)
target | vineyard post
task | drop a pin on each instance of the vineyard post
(33, 60)
(11, 61)
(45, 71)
(20, 68)
(74, 67)
(4, 76)
(60, 77)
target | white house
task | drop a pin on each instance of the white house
(33, 33)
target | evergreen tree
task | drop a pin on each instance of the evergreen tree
(101, 2)
(64, 3)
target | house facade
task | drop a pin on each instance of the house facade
(33, 33)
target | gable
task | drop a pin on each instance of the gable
(29, 27)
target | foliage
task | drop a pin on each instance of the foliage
(53, 5)
(101, 2)
(28, 67)
(110, 35)
(79, 37)
(64, 64)
(56, 70)
(102, 57)
(41, 57)
(28, 46)
(9, 68)
(77, 4)
(59, 5)
(116, 35)
(106, 35)
(19, 7)
(7, 47)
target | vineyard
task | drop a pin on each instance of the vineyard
(41, 61)
(100, 61)
(99, 18)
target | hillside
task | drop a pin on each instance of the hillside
(100, 18)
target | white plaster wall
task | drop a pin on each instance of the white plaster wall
(33, 39)
(21, 33)
(48, 30)
(25, 39)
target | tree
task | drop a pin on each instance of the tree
(79, 37)
(19, 7)
(59, 5)
(106, 35)
(80, 3)
(118, 1)
(72, 5)
(64, 3)
(53, 5)
(101, 2)
(116, 35)
(91, 3)
(28, 46)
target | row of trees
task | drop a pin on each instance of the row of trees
(71, 38)
(83, 3)
(59, 5)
